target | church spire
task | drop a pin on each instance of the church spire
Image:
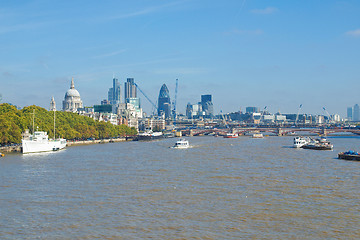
(72, 84)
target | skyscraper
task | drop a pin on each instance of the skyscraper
(164, 104)
(207, 105)
(130, 89)
(114, 93)
(356, 114)
(349, 113)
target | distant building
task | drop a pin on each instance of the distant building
(356, 113)
(349, 113)
(104, 108)
(52, 105)
(252, 110)
(105, 102)
(194, 110)
(136, 103)
(207, 105)
(164, 104)
(72, 101)
(130, 89)
(114, 93)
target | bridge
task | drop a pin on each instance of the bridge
(274, 131)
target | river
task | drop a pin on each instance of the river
(220, 188)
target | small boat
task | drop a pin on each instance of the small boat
(257, 135)
(181, 143)
(319, 144)
(231, 135)
(349, 155)
(2, 155)
(301, 141)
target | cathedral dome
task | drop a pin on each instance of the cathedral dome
(72, 93)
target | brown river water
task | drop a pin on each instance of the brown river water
(220, 188)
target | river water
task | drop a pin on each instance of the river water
(220, 188)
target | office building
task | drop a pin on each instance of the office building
(164, 104)
(130, 89)
(207, 105)
(252, 110)
(349, 113)
(356, 113)
(114, 93)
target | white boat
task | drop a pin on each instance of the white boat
(39, 141)
(149, 135)
(257, 135)
(181, 143)
(301, 141)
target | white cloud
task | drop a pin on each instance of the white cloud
(268, 10)
(354, 33)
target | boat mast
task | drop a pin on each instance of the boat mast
(54, 125)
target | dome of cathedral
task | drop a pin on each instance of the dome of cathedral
(72, 93)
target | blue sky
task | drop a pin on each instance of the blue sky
(278, 54)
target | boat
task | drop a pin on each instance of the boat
(2, 155)
(301, 141)
(149, 135)
(257, 135)
(319, 144)
(182, 143)
(349, 155)
(39, 141)
(231, 135)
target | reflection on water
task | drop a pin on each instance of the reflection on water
(218, 189)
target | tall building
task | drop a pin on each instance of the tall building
(130, 89)
(207, 105)
(356, 113)
(114, 93)
(52, 105)
(252, 110)
(349, 113)
(164, 104)
(72, 101)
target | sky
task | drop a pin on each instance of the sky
(277, 54)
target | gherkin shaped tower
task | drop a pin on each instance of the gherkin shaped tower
(164, 104)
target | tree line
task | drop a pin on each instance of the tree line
(71, 126)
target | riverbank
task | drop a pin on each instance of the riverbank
(17, 147)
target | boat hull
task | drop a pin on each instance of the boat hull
(148, 138)
(29, 146)
(349, 157)
(314, 147)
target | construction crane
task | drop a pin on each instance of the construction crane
(327, 114)
(297, 115)
(224, 120)
(174, 102)
(153, 104)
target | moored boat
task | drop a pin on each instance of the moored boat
(182, 143)
(301, 141)
(231, 135)
(349, 155)
(319, 144)
(257, 135)
(149, 135)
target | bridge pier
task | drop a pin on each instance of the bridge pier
(279, 132)
(191, 133)
(324, 131)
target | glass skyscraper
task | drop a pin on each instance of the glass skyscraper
(114, 93)
(356, 113)
(130, 89)
(207, 105)
(164, 104)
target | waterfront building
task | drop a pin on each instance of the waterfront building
(164, 104)
(356, 113)
(52, 105)
(252, 110)
(130, 89)
(349, 113)
(114, 93)
(72, 101)
(268, 118)
(207, 106)
(127, 114)
(153, 123)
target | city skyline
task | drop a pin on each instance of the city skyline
(243, 53)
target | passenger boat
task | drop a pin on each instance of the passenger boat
(257, 135)
(349, 155)
(301, 141)
(181, 143)
(319, 144)
(149, 135)
(231, 135)
(39, 141)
